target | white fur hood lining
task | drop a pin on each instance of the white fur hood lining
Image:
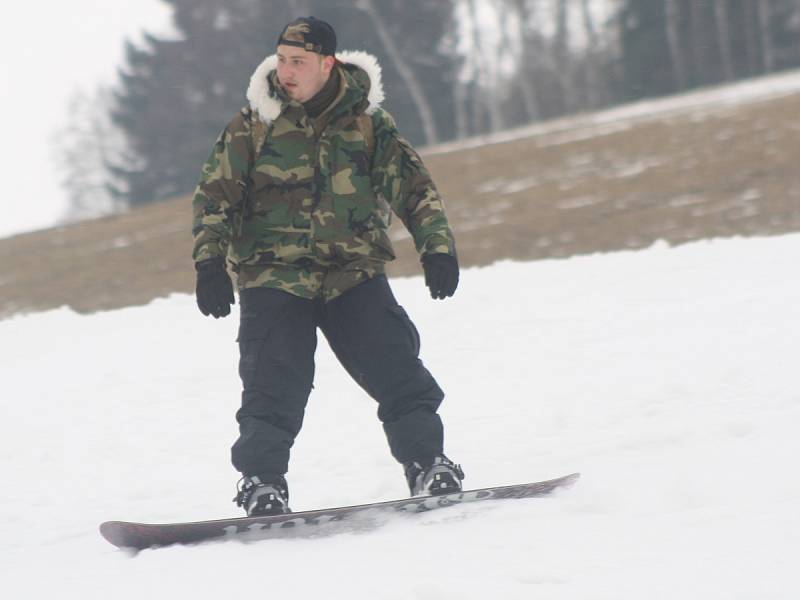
(269, 107)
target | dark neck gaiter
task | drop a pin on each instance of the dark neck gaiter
(323, 99)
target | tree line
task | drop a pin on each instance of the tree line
(451, 69)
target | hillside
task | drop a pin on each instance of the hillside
(674, 396)
(715, 163)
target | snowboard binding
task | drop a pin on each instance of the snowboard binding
(442, 476)
(262, 496)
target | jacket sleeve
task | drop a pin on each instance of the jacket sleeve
(219, 195)
(399, 175)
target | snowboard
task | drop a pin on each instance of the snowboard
(138, 536)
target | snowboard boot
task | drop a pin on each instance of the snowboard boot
(440, 476)
(261, 495)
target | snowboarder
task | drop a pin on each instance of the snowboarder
(297, 195)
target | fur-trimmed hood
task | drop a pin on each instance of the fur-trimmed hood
(264, 101)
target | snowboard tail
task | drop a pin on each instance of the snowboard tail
(138, 536)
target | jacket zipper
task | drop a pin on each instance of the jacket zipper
(317, 200)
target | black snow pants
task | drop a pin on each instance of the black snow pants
(373, 338)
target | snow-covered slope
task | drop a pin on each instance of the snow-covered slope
(668, 377)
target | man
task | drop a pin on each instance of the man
(297, 195)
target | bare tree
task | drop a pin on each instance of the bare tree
(675, 45)
(524, 79)
(591, 55)
(529, 99)
(404, 69)
(458, 77)
(86, 145)
(473, 69)
(490, 89)
(564, 67)
(751, 36)
(699, 41)
(722, 23)
(460, 96)
(764, 11)
(491, 48)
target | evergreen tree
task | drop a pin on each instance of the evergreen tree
(176, 94)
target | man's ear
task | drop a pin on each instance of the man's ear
(327, 63)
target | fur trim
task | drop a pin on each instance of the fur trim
(370, 65)
(269, 107)
(258, 95)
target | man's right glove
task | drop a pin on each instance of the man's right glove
(441, 275)
(214, 288)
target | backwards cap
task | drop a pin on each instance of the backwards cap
(313, 35)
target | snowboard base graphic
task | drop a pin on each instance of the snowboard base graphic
(310, 523)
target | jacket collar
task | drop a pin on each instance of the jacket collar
(264, 100)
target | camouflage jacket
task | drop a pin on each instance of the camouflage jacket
(310, 213)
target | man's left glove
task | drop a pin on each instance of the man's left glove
(214, 288)
(441, 275)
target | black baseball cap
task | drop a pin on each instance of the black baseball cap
(311, 34)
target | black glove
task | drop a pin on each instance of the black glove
(214, 288)
(441, 274)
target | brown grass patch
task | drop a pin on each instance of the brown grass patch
(685, 176)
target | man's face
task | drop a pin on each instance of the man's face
(302, 73)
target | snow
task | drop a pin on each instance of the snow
(666, 376)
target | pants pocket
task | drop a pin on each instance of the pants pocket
(413, 335)
(249, 354)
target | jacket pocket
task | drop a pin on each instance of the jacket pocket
(379, 240)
